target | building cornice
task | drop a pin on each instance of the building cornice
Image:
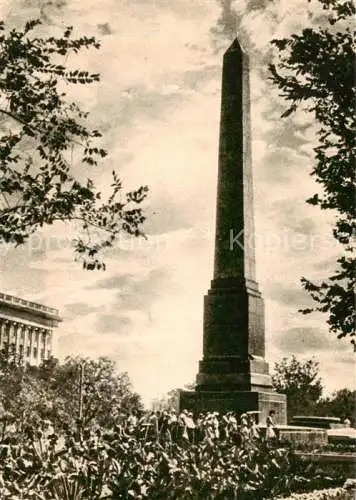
(35, 309)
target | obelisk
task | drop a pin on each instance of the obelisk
(233, 374)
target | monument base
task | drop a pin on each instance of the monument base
(236, 401)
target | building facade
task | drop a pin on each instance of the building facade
(27, 328)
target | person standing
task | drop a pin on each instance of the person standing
(254, 433)
(270, 431)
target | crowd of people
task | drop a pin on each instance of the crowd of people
(250, 429)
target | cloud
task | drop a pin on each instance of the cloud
(304, 340)
(108, 323)
(15, 276)
(289, 295)
(140, 294)
(114, 282)
(75, 309)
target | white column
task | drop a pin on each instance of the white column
(50, 342)
(44, 344)
(7, 334)
(18, 337)
(12, 337)
(25, 340)
(38, 342)
(31, 334)
(2, 332)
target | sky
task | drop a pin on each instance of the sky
(158, 107)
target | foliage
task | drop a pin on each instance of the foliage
(44, 141)
(158, 455)
(300, 382)
(315, 70)
(19, 392)
(341, 404)
(52, 392)
(105, 393)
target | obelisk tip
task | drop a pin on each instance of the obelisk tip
(236, 46)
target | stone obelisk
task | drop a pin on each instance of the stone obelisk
(233, 374)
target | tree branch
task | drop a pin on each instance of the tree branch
(34, 129)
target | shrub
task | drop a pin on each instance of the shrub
(155, 456)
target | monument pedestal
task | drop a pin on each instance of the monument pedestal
(233, 374)
(237, 402)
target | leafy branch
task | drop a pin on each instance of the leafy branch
(315, 71)
(37, 176)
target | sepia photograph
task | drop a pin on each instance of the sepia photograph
(177, 270)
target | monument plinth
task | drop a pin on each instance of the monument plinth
(233, 374)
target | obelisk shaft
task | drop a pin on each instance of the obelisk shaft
(234, 237)
(233, 308)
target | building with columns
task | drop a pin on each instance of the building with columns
(27, 328)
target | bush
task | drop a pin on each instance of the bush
(155, 456)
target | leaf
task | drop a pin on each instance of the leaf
(289, 111)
